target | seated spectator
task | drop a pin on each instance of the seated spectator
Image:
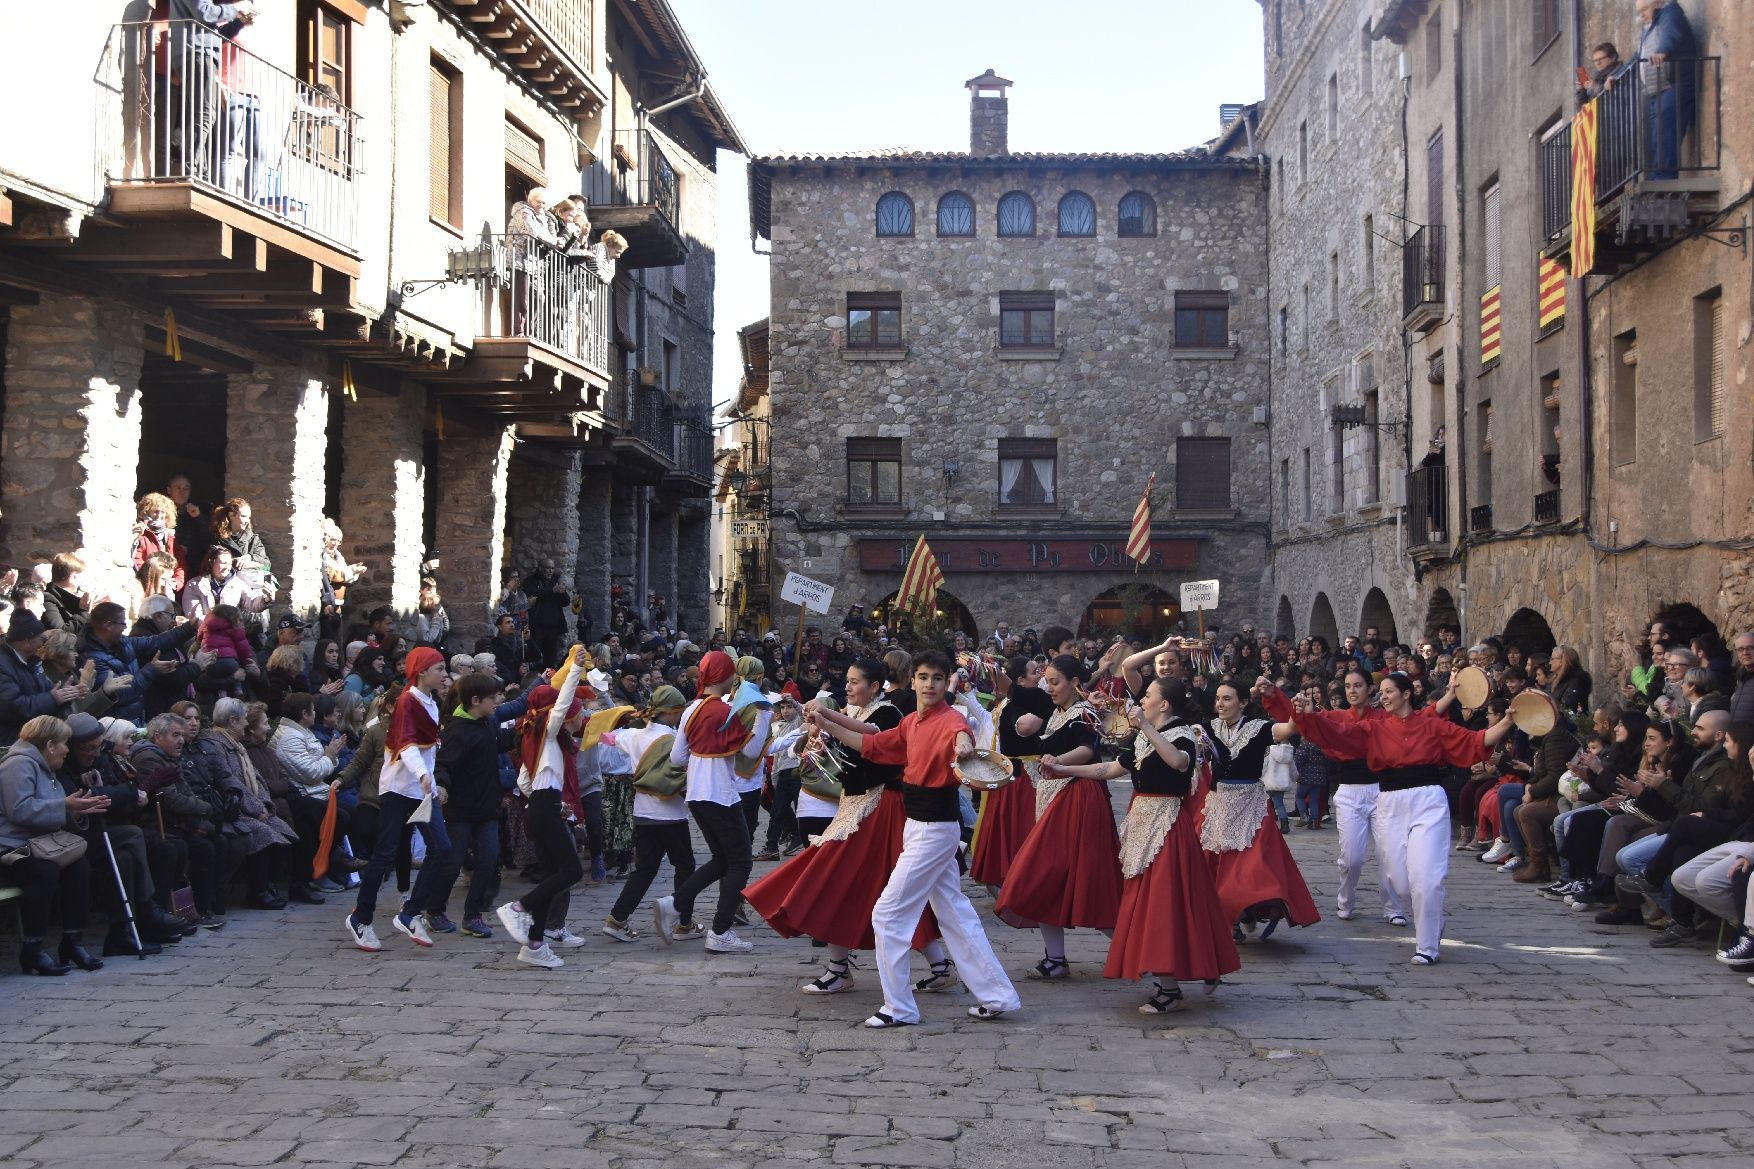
(220, 584)
(60, 659)
(219, 763)
(33, 804)
(165, 687)
(135, 657)
(1718, 812)
(25, 690)
(155, 534)
(281, 761)
(28, 595)
(158, 576)
(371, 671)
(64, 604)
(326, 673)
(285, 677)
(180, 814)
(1698, 695)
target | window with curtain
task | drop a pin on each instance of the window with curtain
(1028, 472)
(955, 214)
(895, 214)
(1026, 319)
(1077, 214)
(1138, 215)
(1202, 474)
(873, 320)
(874, 472)
(1202, 320)
(1016, 214)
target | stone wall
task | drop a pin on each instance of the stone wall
(72, 436)
(661, 567)
(1115, 393)
(591, 577)
(383, 497)
(544, 510)
(473, 473)
(277, 422)
(693, 573)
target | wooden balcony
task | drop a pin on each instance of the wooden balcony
(548, 42)
(635, 192)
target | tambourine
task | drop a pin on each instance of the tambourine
(1472, 687)
(986, 770)
(1533, 713)
(1117, 727)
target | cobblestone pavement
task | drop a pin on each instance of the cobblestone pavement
(1541, 1039)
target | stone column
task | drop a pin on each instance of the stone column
(69, 458)
(544, 508)
(661, 563)
(693, 599)
(276, 435)
(383, 498)
(624, 534)
(596, 545)
(473, 475)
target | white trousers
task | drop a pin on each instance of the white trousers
(926, 873)
(1356, 818)
(1413, 839)
(1705, 880)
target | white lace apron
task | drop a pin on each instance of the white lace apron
(851, 812)
(1149, 819)
(1234, 812)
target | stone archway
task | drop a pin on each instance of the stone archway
(1284, 624)
(1133, 611)
(951, 615)
(1684, 620)
(1376, 612)
(1530, 630)
(1441, 611)
(1322, 622)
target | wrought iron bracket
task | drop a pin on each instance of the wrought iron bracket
(411, 287)
(1730, 237)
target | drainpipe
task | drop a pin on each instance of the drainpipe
(1586, 455)
(699, 92)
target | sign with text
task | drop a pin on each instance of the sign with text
(748, 529)
(1199, 594)
(811, 594)
(1056, 554)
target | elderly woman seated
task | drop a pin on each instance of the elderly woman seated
(33, 811)
(218, 763)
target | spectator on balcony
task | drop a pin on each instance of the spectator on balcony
(1604, 71)
(198, 35)
(605, 255)
(1667, 60)
(64, 603)
(531, 229)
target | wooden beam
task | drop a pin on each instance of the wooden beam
(165, 244)
(301, 276)
(208, 357)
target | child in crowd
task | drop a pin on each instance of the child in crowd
(223, 636)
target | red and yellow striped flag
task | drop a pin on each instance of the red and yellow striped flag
(1583, 190)
(1139, 539)
(920, 581)
(1552, 309)
(1489, 342)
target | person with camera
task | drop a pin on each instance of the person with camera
(41, 852)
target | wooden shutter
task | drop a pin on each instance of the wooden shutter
(1494, 238)
(438, 161)
(523, 153)
(1717, 367)
(1202, 474)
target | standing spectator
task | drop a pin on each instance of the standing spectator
(548, 612)
(232, 529)
(337, 575)
(431, 625)
(25, 690)
(186, 520)
(135, 657)
(155, 534)
(1667, 55)
(531, 231)
(199, 30)
(32, 804)
(219, 584)
(63, 602)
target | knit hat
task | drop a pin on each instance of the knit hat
(749, 669)
(420, 660)
(83, 728)
(25, 625)
(666, 698)
(716, 667)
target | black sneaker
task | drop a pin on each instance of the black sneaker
(1618, 915)
(1676, 935)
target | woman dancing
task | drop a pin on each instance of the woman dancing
(1008, 813)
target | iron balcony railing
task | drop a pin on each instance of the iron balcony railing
(654, 420)
(636, 174)
(1658, 122)
(1422, 270)
(694, 449)
(1556, 183)
(183, 104)
(1480, 518)
(1427, 504)
(531, 291)
(1547, 507)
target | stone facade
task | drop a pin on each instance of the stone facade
(544, 511)
(1114, 392)
(278, 422)
(380, 478)
(474, 477)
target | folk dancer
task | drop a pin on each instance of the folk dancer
(660, 814)
(1008, 813)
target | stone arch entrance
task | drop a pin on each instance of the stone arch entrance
(1284, 624)
(1376, 612)
(951, 615)
(1441, 611)
(1530, 630)
(1130, 610)
(1683, 620)
(1322, 622)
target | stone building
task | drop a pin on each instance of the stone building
(1523, 426)
(996, 350)
(299, 290)
(744, 591)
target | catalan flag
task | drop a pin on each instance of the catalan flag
(1552, 301)
(920, 581)
(1489, 332)
(1583, 189)
(1139, 539)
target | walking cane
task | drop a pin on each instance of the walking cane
(121, 889)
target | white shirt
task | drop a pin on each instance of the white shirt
(402, 773)
(634, 743)
(551, 764)
(715, 781)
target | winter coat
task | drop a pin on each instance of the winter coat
(24, 694)
(31, 801)
(64, 610)
(129, 657)
(468, 767)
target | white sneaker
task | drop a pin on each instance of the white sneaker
(727, 943)
(621, 931)
(517, 923)
(414, 927)
(540, 956)
(1398, 920)
(664, 913)
(1343, 914)
(564, 937)
(1498, 853)
(363, 936)
(1512, 865)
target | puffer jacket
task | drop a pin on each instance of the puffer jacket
(129, 657)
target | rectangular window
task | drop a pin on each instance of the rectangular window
(1708, 366)
(444, 166)
(1026, 320)
(1433, 46)
(1028, 472)
(1302, 152)
(1366, 75)
(1368, 449)
(1306, 316)
(1493, 249)
(1623, 407)
(1333, 286)
(524, 153)
(1202, 474)
(1370, 254)
(1284, 329)
(874, 472)
(1547, 25)
(325, 44)
(873, 320)
(1284, 492)
(1202, 320)
(1434, 178)
(1333, 106)
(1308, 485)
(1483, 412)
(1336, 449)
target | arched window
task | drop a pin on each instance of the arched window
(895, 214)
(1077, 214)
(1016, 214)
(1138, 215)
(956, 214)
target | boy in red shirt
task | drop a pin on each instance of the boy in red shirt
(927, 742)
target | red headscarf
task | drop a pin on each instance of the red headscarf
(716, 667)
(420, 660)
(532, 730)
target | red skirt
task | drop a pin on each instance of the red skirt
(1264, 873)
(1068, 872)
(827, 891)
(1006, 818)
(1170, 922)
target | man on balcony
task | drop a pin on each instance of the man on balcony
(531, 234)
(1667, 60)
(198, 34)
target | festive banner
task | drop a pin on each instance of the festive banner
(1552, 297)
(1583, 190)
(1489, 344)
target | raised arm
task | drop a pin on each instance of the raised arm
(1133, 665)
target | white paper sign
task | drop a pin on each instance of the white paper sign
(812, 594)
(1199, 594)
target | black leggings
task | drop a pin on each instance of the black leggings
(168, 857)
(44, 883)
(727, 835)
(205, 859)
(557, 859)
(653, 841)
(782, 818)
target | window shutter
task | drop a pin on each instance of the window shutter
(1025, 300)
(874, 448)
(1494, 257)
(873, 300)
(1717, 368)
(523, 153)
(1202, 474)
(438, 161)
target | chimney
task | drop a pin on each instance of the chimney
(988, 115)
